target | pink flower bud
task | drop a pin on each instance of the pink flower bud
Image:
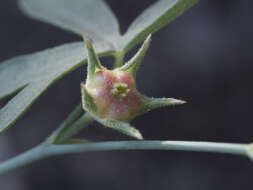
(110, 96)
(114, 94)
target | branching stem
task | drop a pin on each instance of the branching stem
(119, 59)
(46, 150)
(70, 126)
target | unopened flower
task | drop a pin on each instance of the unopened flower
(111, 97)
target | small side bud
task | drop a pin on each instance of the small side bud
(133, 64)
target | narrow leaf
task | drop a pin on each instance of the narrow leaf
(90, 17)
(34, 74)
(152, 19)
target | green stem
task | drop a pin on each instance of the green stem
(45, 150)
(74, 129)
(23, 159)
(227, 148)
(119, 58)
(70, 126)
(66, 123)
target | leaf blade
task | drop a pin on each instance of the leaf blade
(152, 19)
(87, 17)
(38, 71)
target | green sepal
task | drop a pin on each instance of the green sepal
(117, 125)
(93, 60)
(87, 100)
(122, 127)
(133, 64)
(153, 103)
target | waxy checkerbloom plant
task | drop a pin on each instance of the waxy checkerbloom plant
(109, 97)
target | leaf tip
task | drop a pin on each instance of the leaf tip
(249, 151)
(178, 102)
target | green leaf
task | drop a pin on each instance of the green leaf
(152, 19)
(33, 74)
(95, 19)
(122, 127)
(90, 17)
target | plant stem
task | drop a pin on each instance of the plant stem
(45, 150)
(119, 58)
(75, 128)
(23, 159)
(227, 148)
(70, 126)
(66, 123)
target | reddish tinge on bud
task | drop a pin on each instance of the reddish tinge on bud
(114, 94)
(111, 97)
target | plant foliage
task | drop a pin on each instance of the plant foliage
(27, 77)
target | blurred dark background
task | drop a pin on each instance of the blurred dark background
(204, 57)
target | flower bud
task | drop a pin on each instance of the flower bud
(111, 97)
(114, 94)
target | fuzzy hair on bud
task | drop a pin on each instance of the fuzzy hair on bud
(111, 97)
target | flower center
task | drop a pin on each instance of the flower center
(120, 89)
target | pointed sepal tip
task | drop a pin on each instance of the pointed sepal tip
(123, 127)
(93, 60)
(153, 103)
(133, 64)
